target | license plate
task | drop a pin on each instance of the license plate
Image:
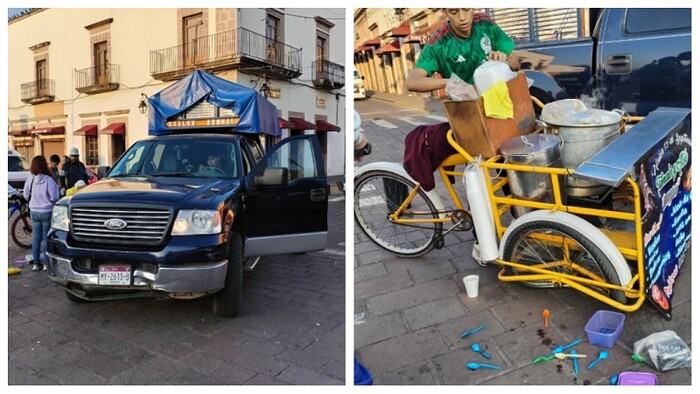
(114, 275)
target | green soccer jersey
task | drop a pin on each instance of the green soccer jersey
(448, 54)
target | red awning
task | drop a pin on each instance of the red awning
(301, 124)
(322, 125)
(114, 128)
(17, 133)
(390, 47)
(88, 129)
(401, 31)
(285, 124)
(49, 130)
(375, 41)
(421, 35)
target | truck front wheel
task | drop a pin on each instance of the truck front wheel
(227, 302)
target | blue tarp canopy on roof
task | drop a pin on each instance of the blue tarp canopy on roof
(257, 114)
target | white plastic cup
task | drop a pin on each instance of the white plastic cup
(471, 284)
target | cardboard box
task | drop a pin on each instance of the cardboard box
(483, 136)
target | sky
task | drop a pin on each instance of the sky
(14, 11)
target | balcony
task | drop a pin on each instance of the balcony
(240, 48)
(39, 91)
(97, 79)
(327, 75)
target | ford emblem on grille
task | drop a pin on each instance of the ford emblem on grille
(115, 224)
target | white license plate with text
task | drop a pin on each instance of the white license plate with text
(114, 275)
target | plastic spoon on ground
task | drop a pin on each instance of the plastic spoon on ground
(573, 354)
(543, 358)
(602, 356)
(476, 348)
(472, 331)
(575, 361)
(560, 349)
(475, 366)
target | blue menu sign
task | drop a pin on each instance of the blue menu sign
(664, 178)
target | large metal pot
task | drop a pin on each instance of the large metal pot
(581, 141)
(541, 150)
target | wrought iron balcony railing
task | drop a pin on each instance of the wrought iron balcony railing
(97, 79)
(327, 74)
(239, 48)
(39, 91)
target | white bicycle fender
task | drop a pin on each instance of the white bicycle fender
(398, 169)
(582, 226)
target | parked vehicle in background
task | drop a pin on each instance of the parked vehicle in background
(17, 169)
(359, 85)
(636, 59)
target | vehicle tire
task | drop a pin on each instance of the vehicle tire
(227, 302)
(22, 232)
(379, 193)
(74, 298)
(523, 244)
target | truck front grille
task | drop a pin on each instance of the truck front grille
(124, 225)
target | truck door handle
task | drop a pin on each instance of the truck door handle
(619, 64)
(318, 195)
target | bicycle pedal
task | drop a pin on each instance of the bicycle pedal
(439, 242)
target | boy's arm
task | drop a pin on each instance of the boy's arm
(419, 81)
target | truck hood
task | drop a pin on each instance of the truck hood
(165, 191)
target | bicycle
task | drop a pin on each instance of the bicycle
(551, 246)
(21, 229)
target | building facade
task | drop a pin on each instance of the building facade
(80, 77)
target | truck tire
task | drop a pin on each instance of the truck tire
(227, 302)
(74, 298)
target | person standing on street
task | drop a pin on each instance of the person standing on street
(42, 192)
(74, 169)
(54, 162)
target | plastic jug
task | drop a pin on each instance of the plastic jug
(490, 72)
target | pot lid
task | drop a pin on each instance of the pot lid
(530, 144)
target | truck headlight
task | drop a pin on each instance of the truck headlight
(196, 222)
(59, 218)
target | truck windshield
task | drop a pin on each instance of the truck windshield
(185, 157)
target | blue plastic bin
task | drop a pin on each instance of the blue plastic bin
(362, 375)
(604, 328)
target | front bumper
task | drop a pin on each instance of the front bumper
(194, 279)
(184, 268)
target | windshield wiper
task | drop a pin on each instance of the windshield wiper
(183, 174)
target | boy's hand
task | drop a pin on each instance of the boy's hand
(497, 56)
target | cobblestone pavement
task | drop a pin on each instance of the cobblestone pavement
(291, 329)
(409, 313)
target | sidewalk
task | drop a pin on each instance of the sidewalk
(423, 101)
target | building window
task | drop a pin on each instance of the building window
(191, 34)
(41, 76)
(273, 34)
(118, 146)
(100, 62)
(92, 157)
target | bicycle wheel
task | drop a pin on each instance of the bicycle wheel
(380, 193)
(22, 231)
(564, 247)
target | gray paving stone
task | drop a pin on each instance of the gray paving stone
(382, 285)
(433, 313)
(397, 352)
(369, 271)
(415, 374)
(377, 329)
(300, 375)
(411, 296)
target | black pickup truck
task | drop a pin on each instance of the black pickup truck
(166, 222)
(636, 59)
(183, 212)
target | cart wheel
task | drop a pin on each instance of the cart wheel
(379, 193)
(562, 242)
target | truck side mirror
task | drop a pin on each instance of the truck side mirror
(273, 176)
(102, 171)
